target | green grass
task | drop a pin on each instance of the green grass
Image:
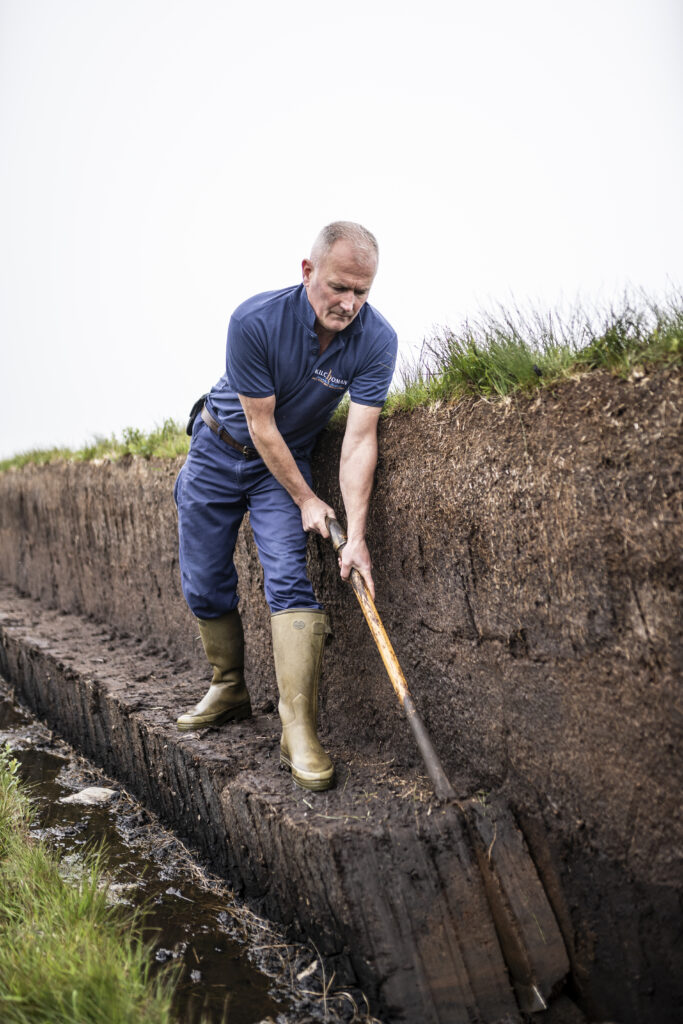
(165, 441)
(491, 357)
(67, 956)
(496, 356)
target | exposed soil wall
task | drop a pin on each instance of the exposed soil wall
(528, 573)
(381, 879)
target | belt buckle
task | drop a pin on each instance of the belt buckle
(245, 450)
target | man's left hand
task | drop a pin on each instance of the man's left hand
(355, 555)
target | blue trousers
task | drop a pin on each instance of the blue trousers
(214, 489)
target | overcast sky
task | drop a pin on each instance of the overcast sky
(160, 161)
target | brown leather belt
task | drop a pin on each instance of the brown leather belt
(212, 424)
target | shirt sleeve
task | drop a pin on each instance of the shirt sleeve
(246, 360)
(371, 385)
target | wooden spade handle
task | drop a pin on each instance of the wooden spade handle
(442, 787)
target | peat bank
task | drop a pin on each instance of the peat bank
(527, 559)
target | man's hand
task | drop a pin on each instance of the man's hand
(355, 555)
(313, 515)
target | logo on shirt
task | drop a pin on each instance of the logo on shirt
(327, 378)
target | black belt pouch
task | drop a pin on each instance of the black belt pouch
(194, 413)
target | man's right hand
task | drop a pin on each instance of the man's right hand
(313, 515)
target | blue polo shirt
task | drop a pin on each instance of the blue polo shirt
(273, 349)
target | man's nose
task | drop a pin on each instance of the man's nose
(346, 301)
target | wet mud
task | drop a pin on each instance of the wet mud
(528, 567)
(233, 965)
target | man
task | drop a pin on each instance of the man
(291, 356)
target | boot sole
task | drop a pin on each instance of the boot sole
(316, 784)
(237, 714)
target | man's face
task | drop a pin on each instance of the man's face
(338, 285)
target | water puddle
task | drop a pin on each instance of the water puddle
(235, 966)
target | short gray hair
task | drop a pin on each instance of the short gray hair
(348, 231)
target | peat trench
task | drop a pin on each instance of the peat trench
(436, 912)
(232, 964)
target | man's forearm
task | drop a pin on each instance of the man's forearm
(356, 477)
(273, 450)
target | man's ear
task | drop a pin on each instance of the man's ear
(306, 270)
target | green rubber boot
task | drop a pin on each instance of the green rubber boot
(298, 640)
(227, 699)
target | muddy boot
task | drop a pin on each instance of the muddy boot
(298, 639)
(227, 699)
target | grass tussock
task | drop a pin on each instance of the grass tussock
(512, 352)
(165, 441)
(492, 356)
(67, 956)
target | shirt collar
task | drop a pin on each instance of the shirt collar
(305, 313)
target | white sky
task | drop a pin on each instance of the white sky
(161, 160)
